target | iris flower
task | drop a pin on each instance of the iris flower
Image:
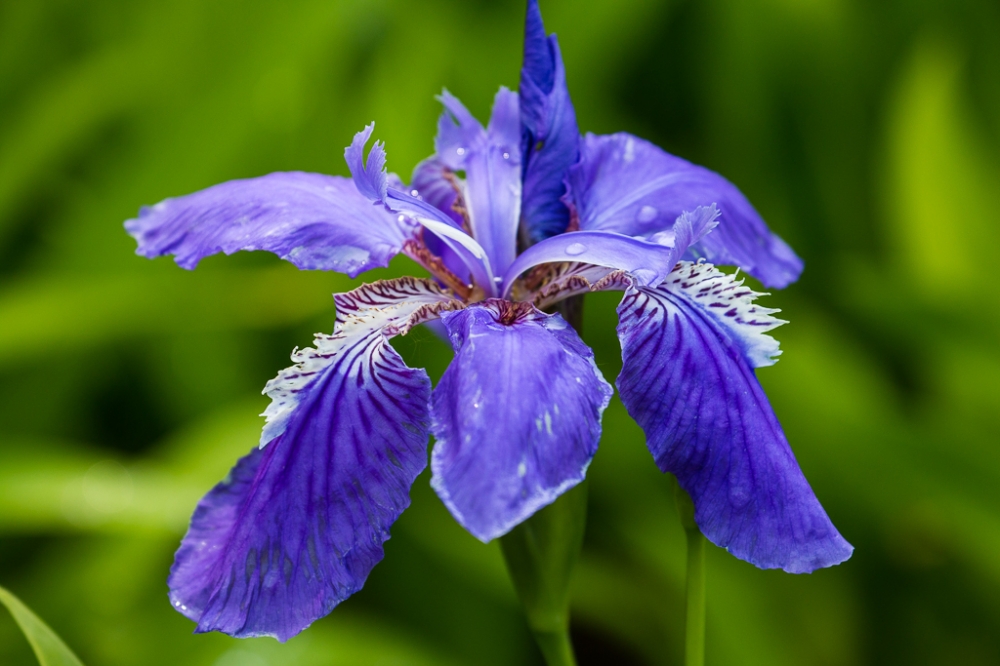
(508, 219)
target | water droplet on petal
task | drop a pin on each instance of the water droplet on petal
(413, 193)
(506, 156)
(460, 151)
(665, 238)
(401, 218)
(576, 249)
(646, 214)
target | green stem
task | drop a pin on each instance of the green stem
(540, 555)
(694, 628)
(556, 647)
(694, 631)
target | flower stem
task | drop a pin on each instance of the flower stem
(694, 630)
(540, 554)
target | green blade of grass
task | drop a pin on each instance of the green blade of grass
(48, 647)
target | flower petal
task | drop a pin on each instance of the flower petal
(434, 182)
(312, 220)
(491, 159)
(648, 262)
(299, 524)
(549, 135)
(724, 298)
(431, 183)
(516, 415)
(686, 380)
(628, 185)
(370, 178)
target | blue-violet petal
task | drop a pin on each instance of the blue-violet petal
(648, 261)
(628, 185)
(516, 416)
(549, 135)
(687, 351)
(314, 221)
(299, 523)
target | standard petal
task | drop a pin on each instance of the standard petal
(314, 221)
(491, 159)
(549, 135)
(648, 262)
(628, 185)
(299, 523)
(516, 415)
(687, 381)
(436, 184)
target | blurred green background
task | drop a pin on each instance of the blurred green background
(867, 134)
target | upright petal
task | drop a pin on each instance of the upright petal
(299, 523)
(491, 159)
(371, 180)
(648, 262)
(549, 135)
(314, 221)
(628, 185)
(457, 131)
(436, 184)
(516, 415)
(687, 349)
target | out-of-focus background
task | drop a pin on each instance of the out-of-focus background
(867, 134)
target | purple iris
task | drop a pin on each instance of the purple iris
(509, 219)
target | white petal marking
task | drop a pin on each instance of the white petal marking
(378, 310)
(732, 305)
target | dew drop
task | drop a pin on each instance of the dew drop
(665, 238)
(646, 214)
(401, 218)
(576, 249)
(506, 156)
(460, 151)
(413, 193)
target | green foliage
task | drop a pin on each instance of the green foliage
(867, 134)
(48, 647)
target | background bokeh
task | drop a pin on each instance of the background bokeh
(867, 134)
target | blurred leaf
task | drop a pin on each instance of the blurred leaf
(48, 647)
(63, 315)
(942, 195)
(58, 486)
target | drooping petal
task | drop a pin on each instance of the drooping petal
(516, 415)
(648, 262)
(549, 135)
(312, 220)
(687, 351)
(628, 185)
(732, 306)
(300, 522)
(491, 159)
